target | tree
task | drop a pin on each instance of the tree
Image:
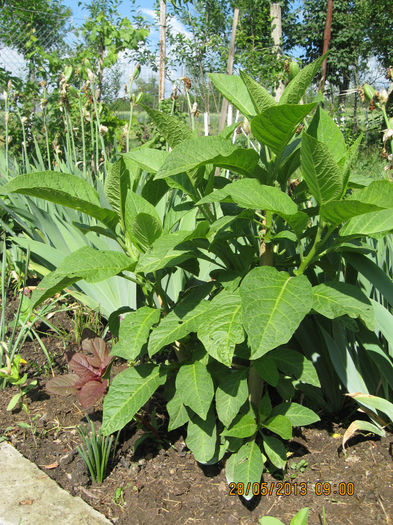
(32, 27)
(378, 16)
(349, 48)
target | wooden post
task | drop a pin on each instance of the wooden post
(231, 58)
(275, 16)
(326, 40)
(161, 85)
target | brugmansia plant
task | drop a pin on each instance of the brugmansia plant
(259, 261)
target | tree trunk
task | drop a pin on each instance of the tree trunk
(231, 58)
(161, 87)
(275, 15)
(326, 40)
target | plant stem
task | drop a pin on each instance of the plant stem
(309, 257)
(255, 387)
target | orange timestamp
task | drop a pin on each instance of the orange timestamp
(286, 488)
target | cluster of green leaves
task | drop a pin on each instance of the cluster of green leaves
(236, 275)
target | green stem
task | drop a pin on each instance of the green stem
(309, 257)
(6, 116)
(190, 110)
(83, 137)
(129, 126)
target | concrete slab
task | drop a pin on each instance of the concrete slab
(28, 496)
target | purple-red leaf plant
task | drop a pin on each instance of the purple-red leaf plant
(88, 367)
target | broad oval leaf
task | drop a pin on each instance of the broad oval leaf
(280, 425)
(129, 391)
(182, 320)
(222, 329)
(245, 466)
(250, 194)
(116, 186)
(148, 159)
(177, 412)
(172, 128)
(325, 130)
(235, 91)
(320, 171)
(335, 299)
(243, 426)
(260, 97)
(277, 124)
(196, 388)
(298, 415)
(202, 437)
(274, 304)
(275, 451)
(296, 88)
(62, 188)
(374, 223)
(86, 263)
(215, 150)
(231, 394)
(338, 211)
(134, 332)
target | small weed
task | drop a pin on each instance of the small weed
(118, 498)
(298, 468)
(95, 451)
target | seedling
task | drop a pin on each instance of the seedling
(297, 468)
(91, 368)
(11, 375)
(95, 451)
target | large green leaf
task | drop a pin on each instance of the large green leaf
(172, 128)
(86, 263)
(274, 304)
(275, 451)
(325, 130)
(374, 224)
(178, 415)
(117, 183)
(62, 188)
(379, 193)
(234, 90)
(338, 211)
(320, 171)
(250, 194)
(298, 415)
(214, 150)
(243, 426)
(167, 250)
(245, 466)
(195, 386)
(231, 394)
(202, 437)
(279, 424)
(139, 211)
(129, 391)
(134, 332)
(296, 365)
(222, 329)
(148, 159)
(182, 320)
(297, 87)
(335, 299)
(260, 97)
(277, 124)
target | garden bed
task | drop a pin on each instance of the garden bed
(164, 484)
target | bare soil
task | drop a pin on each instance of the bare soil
(163, 484)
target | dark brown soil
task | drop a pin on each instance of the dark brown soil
(167, 486)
